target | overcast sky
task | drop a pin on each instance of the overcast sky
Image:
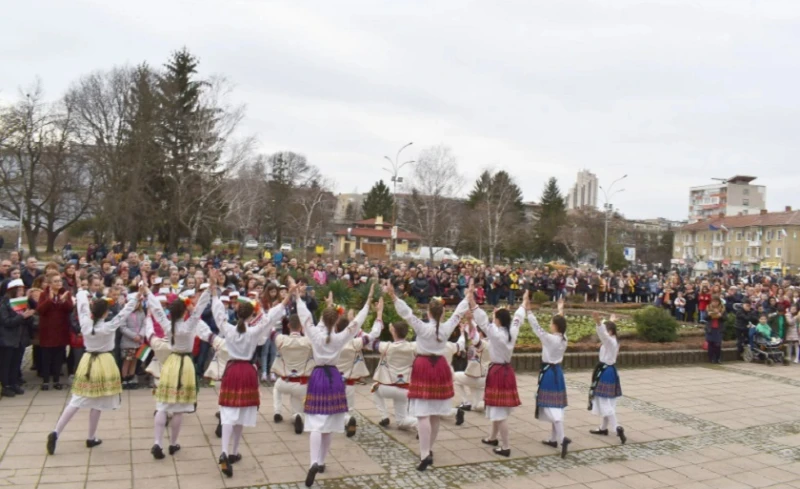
(671, 93)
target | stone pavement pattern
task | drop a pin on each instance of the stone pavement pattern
(735, 426)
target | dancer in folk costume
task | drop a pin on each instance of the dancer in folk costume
(293, 365)
(352, 366)
(431, 391)
(473, 378)
(176, 392)
(551, 398)
(239, 396)
(393, 373)
(326, 401)
(605, 387)
(501, 394)
(97, 385)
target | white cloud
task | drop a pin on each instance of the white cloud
(671, 93)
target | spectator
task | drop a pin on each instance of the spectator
(54, 310)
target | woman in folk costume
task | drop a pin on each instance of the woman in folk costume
(352, 366)
(501, 394)
(473, 378)
(551, 398)
(606, 388)
(393, 372)
(326, 401)
(239, 396)
(431, 391)
(97, 384)
(177, 388)
(293, 366)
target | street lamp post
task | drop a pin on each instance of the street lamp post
(607, 208)
(394, 171)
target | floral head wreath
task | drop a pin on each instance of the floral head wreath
(437, 299)
(339, 309)
(254, 303)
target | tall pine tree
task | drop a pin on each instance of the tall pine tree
(497, 201)
(378, 202)
(552, 216)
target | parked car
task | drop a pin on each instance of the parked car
(217, 242)
(251, 244)
(269, 245)
(286, 248)
(471, 260)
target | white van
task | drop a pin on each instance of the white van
(439, 254)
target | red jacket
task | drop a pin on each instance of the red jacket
(703, 300)
(54, 319)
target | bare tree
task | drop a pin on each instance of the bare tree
(433, 186)
(287, 171)
(312, 206)
(44, 178)
(247, 195)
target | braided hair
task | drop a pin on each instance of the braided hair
(176, 311)
(329, 317)
(504, 317)
(436, 310)
(99, 309)
(243, 313)
(561, 325)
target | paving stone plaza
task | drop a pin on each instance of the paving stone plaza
(729, 427)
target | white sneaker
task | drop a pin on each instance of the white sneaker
(272, 378)
(263, 377)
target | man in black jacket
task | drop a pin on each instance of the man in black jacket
(745, 316)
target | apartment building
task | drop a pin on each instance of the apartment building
(767, 240)
(731, 197)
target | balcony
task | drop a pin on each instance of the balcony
(754, 243)
(718, 244)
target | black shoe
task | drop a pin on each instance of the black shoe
(45, 387)
(599, 432)
(564, 444)
(52, 438)
(460, 416)
(504, 452)
(7, 392)
(549, 443)
(621, 434)
(58, 386)
(493, 443)
(218, 430)
(322, 469)
(424, 464)
(232, 459)
(174, 449)
(351, 428)
(157, 452)
(465, 406)
(225, 465)
(93, 443)
(298, 425)
(384, 422)
(312, 474)
(17, 390)
(278, 418)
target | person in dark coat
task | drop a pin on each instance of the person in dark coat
(15, 335)
(55, 307)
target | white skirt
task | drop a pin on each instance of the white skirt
(551, 415)
(105, 403)
(245, 416)
(174, 408)
(604, 406)
(421, 408)
(325, 423)
(497, 413)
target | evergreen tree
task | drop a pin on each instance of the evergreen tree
(379, 202)
(497, 200)
(552, 216)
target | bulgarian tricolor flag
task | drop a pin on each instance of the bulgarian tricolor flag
(20, 304)
(143, 352)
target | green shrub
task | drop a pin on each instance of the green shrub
(656, 324)
(729, 323)
(576, 299)
(540, 297)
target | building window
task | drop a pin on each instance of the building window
(745, 191)
(766, 252)
(770, 234)
(728, 251)
(728, 237)
(696, 238)
(738, 252)
(747, 251)
(745, 201)
(778, 252)
(738, 236)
